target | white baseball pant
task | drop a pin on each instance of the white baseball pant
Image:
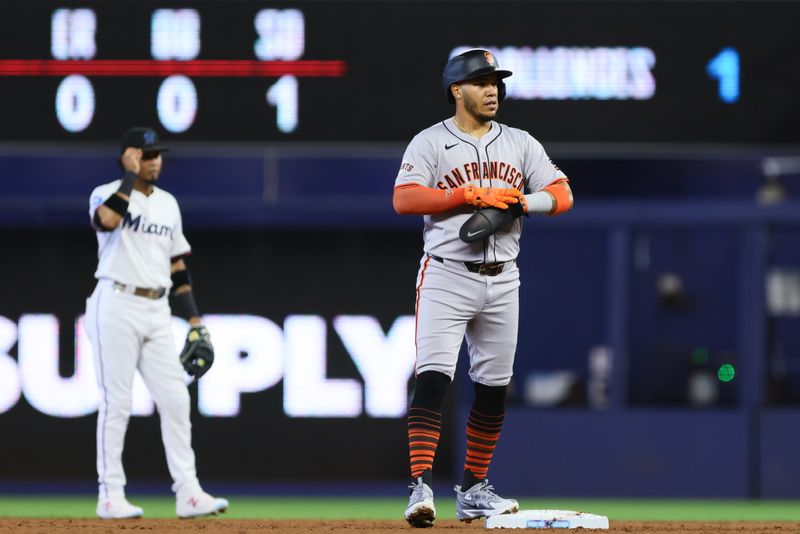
(127, 333)
(452, 303)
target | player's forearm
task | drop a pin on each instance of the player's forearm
(554, 199)
(415, 199)
(109, 214)
(106, 218)
(184, 305)
(181, 295)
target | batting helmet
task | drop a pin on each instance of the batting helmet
(473, 64)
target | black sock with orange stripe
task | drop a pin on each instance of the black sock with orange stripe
(424, 429)
(483, 430)
(425, 423)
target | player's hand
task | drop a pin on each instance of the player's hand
(523, 204)
(131, 159)
(197, 355)
(491, 197)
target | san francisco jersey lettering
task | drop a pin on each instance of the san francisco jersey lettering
(444, 157)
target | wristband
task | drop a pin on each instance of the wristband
(127, 183)
(116, 204)
(540, 202)
(180, 278)
(184, 306)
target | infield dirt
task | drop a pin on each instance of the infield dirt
(241, 526)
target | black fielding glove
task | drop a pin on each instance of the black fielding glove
(197, 355)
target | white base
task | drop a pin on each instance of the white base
(547, 519)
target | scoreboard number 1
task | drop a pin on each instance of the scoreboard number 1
(724, 67)
(281, 37)
(283, 95)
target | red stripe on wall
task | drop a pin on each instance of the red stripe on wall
(154, 68)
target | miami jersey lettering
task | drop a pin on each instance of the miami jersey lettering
(139, 251)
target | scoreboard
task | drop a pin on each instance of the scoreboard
(354, 71)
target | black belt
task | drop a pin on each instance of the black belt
(147, 292)
(486, 269)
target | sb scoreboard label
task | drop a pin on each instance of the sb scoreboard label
(606, 71)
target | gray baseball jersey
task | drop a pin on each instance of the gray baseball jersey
(445, 157)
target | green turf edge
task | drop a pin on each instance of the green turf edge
(387, 508)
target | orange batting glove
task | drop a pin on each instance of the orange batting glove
(491, 197)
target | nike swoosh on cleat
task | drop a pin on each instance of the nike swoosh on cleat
(472, 234)
(448, 147)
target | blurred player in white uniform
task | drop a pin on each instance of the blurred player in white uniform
(141, 264)
(471, 290)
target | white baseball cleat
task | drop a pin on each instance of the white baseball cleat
(421, 513)
(199, 504)
(481, 501)
(117, 508)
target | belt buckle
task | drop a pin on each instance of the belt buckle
(154, 294)
(486, 269)
(491, 269)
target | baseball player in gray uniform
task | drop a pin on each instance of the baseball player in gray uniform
(450, 170)
(128, 321)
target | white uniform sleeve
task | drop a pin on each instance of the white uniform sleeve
(180, 246)
(100, 195)
(540, 171)
(419, 163)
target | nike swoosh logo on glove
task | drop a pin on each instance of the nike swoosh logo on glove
(472, 234)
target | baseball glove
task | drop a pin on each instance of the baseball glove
(486, 222)
(197, 355)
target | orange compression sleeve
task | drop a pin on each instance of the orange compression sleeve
(562, 196)
(414, 199)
